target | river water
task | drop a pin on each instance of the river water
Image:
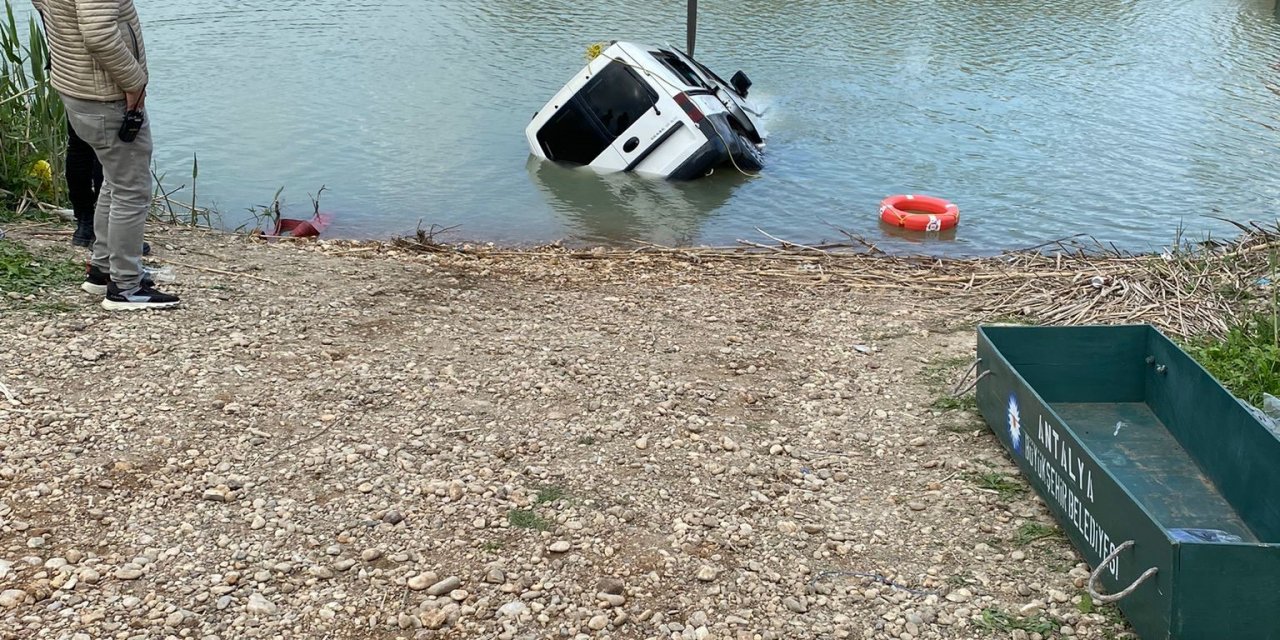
(1124, 119)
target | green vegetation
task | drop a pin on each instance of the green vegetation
(995, 620)
(527, 519)
(1006, 487)
(1031, 531)
(23, 272)
(948, 402)
(33, 126)
(1247, 362)
(550, 494)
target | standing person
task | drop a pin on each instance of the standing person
(100, 70)
(84, 181)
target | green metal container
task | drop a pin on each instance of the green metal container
(1165, 482)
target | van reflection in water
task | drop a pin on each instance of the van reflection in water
(623, 208)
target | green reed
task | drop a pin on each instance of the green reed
(33, 125)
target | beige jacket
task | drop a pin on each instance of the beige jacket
(95, 47)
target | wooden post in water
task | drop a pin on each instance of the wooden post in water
(691, 27)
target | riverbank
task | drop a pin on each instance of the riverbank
(364, 441)
(415, 440)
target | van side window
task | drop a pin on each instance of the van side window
(619, 97)
(572, 136)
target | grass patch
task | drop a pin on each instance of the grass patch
(1116, 625)
(24, 273)
(948, 402)
(1032, 531)
(996, 620)
(587, 441)
(1247, 362)
(492, 546)
(550, 494)
(1005, 486)
(527, 519)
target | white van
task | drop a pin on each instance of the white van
(657, 112)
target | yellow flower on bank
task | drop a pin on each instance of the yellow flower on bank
(43, 171)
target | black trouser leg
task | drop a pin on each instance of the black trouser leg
(84, 176)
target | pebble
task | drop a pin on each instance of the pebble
(560, 546)
(258, 522)
(435, 619)
(596, 623)
(89, 575)
(444, 586)
(642, 443)
(424, 581)
(611, 586)
(1017, 556)
(370, 555)
(459, 595)
(917, 506)
(216, 494)
(512, 609)
(495, 576)
(259, 605)
(707, 574)
(393, 517)
(792, 604)
(11, 598)
(128, 572)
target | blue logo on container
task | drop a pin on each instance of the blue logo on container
(1015, 424)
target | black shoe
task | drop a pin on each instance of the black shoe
(84, 236)
(96, 281)
(144, 297)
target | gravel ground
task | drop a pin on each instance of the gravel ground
(387, 445)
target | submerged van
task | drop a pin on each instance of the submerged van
(656, 112)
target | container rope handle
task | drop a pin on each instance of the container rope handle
(957, 391)
(1116, 597)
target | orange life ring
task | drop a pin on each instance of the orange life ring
(919, 213)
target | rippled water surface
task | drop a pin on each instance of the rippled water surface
(1119, 118)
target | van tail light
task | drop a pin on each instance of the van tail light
(689, 107)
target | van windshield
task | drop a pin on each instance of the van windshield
(681, 69)
(618, 97)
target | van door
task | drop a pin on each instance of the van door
(623, 102)
(573, 136)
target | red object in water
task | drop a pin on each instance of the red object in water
(919, 213)
(290, 228)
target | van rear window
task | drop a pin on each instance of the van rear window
(619, 97)
(572, 136)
